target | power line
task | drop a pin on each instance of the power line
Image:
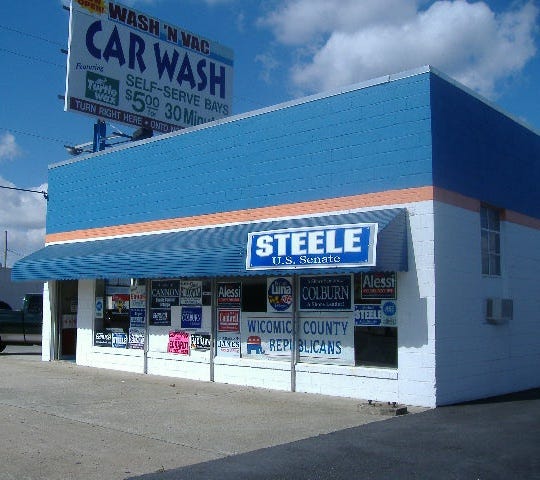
(35, 135)
(42, 192)
(30, 35)
(17, 253)
(29, 57)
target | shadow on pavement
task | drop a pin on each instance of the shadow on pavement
(19, 354)
(495, 438)
(533, 394)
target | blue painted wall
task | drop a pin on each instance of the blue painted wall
(369, 140)
(412, 132)
(482, 153)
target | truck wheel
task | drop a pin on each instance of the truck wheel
(2, 347)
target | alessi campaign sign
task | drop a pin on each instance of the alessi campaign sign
(229, 294)
(130, 67)
(378, 285)
(328, 246)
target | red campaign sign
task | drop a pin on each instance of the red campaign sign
(378, 286)
(179, 343)
(120, 302)
(229, 295)
(228, 320)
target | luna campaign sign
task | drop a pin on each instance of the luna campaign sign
(129, 67)
(280, 295)
(330, 246)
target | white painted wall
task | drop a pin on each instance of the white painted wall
(49, 312)
(416, 312)
(476, 359)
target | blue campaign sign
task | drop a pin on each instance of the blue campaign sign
(191, 317)
(119, 340)
(376, 315)
(329, 292)
(137, 317)
(367, 315)
(329, 246)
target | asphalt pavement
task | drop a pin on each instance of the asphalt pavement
(62, 421)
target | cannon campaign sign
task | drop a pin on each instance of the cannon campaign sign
(329, 246)
(127, 66)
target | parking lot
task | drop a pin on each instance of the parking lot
(63, 421)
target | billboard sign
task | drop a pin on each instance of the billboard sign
(329, 246)
(128, 67)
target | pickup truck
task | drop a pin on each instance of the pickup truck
(22, 327)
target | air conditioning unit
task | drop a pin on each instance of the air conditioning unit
(499, 310)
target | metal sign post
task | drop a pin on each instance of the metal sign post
(100, 136)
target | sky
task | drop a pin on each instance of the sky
(283, 50)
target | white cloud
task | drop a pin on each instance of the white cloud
(269, 64)
(8, 147)
(22, 215)
(300, 21)
(355, 41)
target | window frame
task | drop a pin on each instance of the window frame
(490, 240)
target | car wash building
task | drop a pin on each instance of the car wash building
(377, 242)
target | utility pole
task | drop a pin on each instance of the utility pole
(5, 251)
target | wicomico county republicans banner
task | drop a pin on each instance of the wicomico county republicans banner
(329, 246)
(130, 67)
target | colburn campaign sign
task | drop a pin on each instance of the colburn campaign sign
(329, 246)
(129, 67)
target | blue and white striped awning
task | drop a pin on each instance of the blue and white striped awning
(205, 252)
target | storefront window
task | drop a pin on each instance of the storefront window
(376, 319)
(336, 319)
(120, 313)
(375, 346)
(180, 316)
(326, 326)
(266, 326)
(254, 295)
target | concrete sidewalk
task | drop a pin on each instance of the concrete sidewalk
(62, 421)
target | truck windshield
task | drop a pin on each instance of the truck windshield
(35, 304)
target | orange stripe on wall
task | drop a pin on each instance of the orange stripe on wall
(520, 219)
(390, 197)
(456, 199)
(379, 199)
